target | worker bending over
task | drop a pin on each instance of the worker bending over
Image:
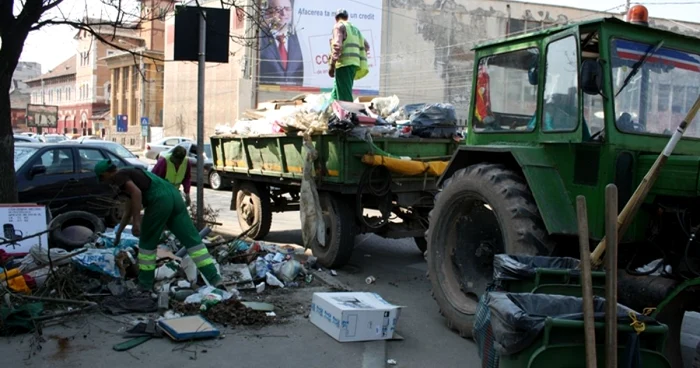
(163, 206)
(348, 57)
(175, 168)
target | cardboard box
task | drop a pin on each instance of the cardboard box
(354, 316)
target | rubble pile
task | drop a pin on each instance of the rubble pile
(230, 312)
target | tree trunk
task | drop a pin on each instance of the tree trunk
(8, 184)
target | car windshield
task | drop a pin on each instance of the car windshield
(22, 154)
(207, 151)
(54, 139)
(121, 151)
(657, 98)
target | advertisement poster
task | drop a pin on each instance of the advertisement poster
(295, 47)
(20, 221)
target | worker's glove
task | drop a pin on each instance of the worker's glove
(331, 71)
(188, 200)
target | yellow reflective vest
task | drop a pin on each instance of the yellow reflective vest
(353, 52)
(172, 175)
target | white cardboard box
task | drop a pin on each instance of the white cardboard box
(354, 316)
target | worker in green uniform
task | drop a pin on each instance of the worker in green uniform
(163, 207)
(348, 61)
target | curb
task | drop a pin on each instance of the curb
(331, 280)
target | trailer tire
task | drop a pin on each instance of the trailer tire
(253, 206)
(464, 234)
(74, 229)
(339, 218)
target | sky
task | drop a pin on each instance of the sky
(52, 45)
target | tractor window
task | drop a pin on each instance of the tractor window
(506, 92)
(560, 100)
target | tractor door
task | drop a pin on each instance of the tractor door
(560, 112)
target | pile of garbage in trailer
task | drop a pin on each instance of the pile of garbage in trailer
(41, 283)
(364, 118)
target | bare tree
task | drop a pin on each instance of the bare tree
(19, 18)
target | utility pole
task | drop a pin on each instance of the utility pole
(200, 116)
(627, 8)
(143, 97)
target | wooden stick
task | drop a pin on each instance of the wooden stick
(611, 276)
(635, 202)
(586, 282)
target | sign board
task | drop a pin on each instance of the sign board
(122, 123)
(22, 220)
(144, 121)
(309, 27)
(187, 34)
(144, 130)
(44, 116)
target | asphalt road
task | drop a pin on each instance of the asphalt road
(400, 272)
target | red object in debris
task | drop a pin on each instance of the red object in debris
(31, 283)
(148, 147)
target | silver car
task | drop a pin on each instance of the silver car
(154, 148)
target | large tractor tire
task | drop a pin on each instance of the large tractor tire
(339, 218)
(483, 210)
(253, 208)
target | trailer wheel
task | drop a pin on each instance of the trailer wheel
(253, 206)
(340, 236)
(482, 210)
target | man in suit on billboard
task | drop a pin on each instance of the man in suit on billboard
(280, 53)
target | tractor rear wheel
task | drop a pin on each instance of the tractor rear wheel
(483, 210)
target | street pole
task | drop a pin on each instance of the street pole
(627, 9)
(200, 117)
(143, 97)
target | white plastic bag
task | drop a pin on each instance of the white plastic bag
(313, 227)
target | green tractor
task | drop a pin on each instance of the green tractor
(560, 113)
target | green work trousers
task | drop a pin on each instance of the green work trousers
(342, 86)
(164, 207)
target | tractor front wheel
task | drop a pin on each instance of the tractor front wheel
(483, 210)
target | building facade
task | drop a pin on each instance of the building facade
(20, 95)
(425, 56)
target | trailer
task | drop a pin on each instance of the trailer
(356, 198)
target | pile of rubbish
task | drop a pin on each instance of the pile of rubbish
(103, 275)
(377, 117)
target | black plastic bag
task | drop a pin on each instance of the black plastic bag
(517, 267)
(517, 319)
(434, 121)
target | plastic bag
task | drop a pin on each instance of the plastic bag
(521, 267)
(434, 121)
(209, 294)
(99, 260)
(518, 319)
(386, 106)
(313, 227)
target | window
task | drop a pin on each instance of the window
(85, 58)
(560, 101)
(111, 52)
(115, 160)
(664, 97)
(171, 142)
(59, 95)
(678, 99)
(56, 161)
(89, 157)
(506, 92)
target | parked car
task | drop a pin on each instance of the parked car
(62, 177)
(211, 177)
(25, 138)
(53, 138)
(88, 138)
(154, 148)
(116, 148)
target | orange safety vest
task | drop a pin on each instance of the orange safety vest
(483, 96)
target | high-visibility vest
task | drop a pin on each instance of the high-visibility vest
(353, 52)
(172, 175)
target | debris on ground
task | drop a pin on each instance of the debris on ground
(230, 312)
(391, 362)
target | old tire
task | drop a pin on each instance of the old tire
(215, 180)
(253, 208)
(74, 229)
(339, 218)
(421, 243)
(464, 235)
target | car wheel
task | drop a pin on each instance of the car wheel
(215, 180)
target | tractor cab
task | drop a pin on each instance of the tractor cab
(579, 106)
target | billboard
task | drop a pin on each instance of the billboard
(294, 47)
(44, 116)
